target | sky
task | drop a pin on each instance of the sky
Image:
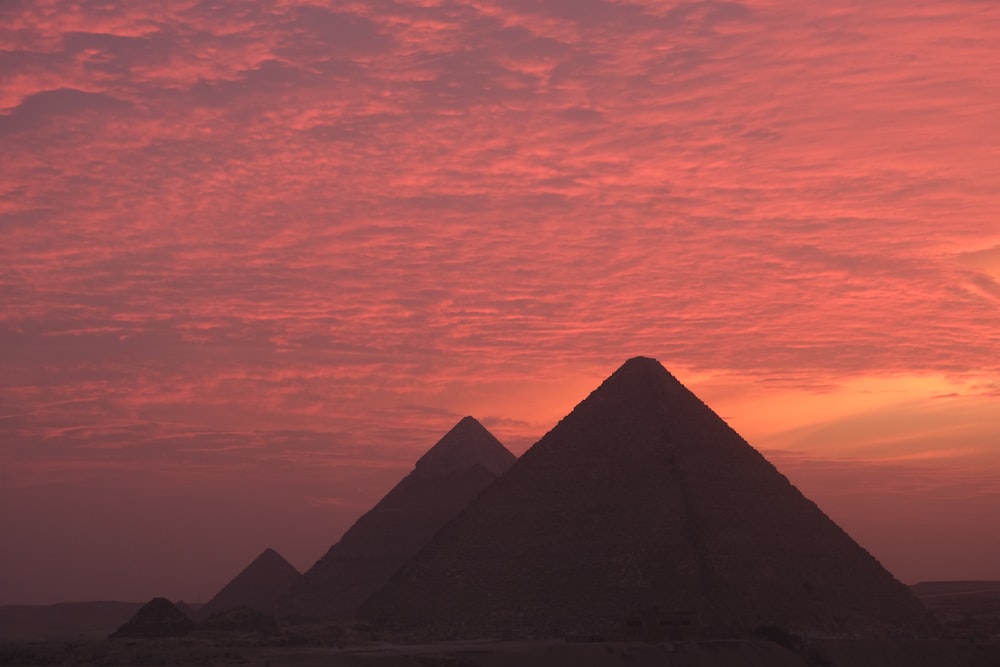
(256, 257)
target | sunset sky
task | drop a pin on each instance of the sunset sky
(256, 257)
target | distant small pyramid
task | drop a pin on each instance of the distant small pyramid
(157, 618)
(642, 512)
(259, 586)
(443, 482)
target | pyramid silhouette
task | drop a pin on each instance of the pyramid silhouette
(259, 586)
(443, 482)
(642, 504)
(157, 618)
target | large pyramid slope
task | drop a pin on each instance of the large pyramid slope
(642, 503)
(259, 586)
(443, 482)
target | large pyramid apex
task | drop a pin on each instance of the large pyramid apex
(467, 444)
(640, 363)
(641, 380)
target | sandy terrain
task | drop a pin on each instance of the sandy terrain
(843, 653)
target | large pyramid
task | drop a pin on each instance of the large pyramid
(259, 586)
(443, 482)
(642, 507)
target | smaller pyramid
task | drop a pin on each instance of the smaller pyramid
(443, 482)
(157, 618)
(259, 586)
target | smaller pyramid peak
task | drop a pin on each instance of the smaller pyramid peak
(467, 444)
(269, 560)
(270, 554)
(258, 585)
(467, 425)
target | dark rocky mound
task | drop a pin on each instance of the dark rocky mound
(259, 586)
(443, 482)
(643, 514)
(157, 618)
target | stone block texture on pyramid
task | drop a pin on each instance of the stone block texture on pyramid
(642, 499)
(443, 482)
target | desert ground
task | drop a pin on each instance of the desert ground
(75, 634)
(827, 653)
